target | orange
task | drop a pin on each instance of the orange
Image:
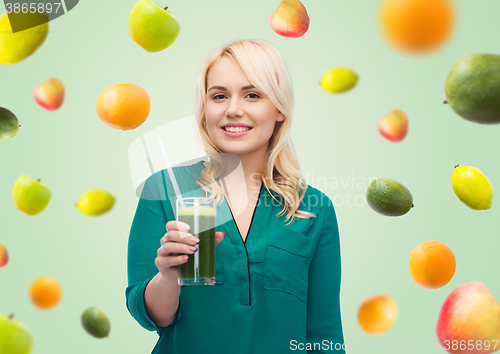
(45, 292)
(124, 106)
(417, 26)
(432, 264)
(377, 314)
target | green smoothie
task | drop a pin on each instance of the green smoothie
(201, 264)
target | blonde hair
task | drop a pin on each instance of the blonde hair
(265, 69)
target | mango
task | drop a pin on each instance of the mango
(15, 47)
(9, 124)
(472, 88)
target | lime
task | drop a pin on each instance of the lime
(472, 187)
(95, 322)
(339, 80)
(389, 197)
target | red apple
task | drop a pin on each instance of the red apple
(290, 19)
(4, 256)
(469, 321)
(50, 94)
(393, 126)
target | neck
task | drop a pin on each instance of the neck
(252, 168)
(246, 172)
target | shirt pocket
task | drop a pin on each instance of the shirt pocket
(287, 259)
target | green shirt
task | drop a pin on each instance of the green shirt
(277, 292)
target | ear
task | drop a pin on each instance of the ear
(281, 117)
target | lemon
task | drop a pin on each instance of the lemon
(95, 202)
(472, 187)
(339, 80)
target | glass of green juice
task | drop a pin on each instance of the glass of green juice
(200, 214)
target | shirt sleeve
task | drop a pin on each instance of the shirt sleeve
(324, 324)
(148, 227)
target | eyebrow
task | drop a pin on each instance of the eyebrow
(222, 88)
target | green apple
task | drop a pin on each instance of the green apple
(151, 26)
(30, 196)
(15, 338)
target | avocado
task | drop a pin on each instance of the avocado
(389, 197)
(473, 88)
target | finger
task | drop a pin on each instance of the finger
(163, 262)
(219, 236)
(170, 248)
(174, 236)
(177, 225)
(178, 236)
(163, 239)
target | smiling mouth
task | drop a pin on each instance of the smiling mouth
(236, 129)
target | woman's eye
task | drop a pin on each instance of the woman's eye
(254, 94)
(220, 96)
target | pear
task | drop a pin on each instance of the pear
(290, 19)
(15, 47)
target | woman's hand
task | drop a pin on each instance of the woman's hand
(174, 245)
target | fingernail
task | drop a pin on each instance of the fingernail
(195, 239)
(192, 248)
(185, 258)
(185, 228)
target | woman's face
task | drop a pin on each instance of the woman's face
(231, 101)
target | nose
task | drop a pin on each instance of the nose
(234, 109)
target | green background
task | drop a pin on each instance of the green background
(335, 137)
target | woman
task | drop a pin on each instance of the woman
(277, 267)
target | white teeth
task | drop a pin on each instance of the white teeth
(236, 129)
